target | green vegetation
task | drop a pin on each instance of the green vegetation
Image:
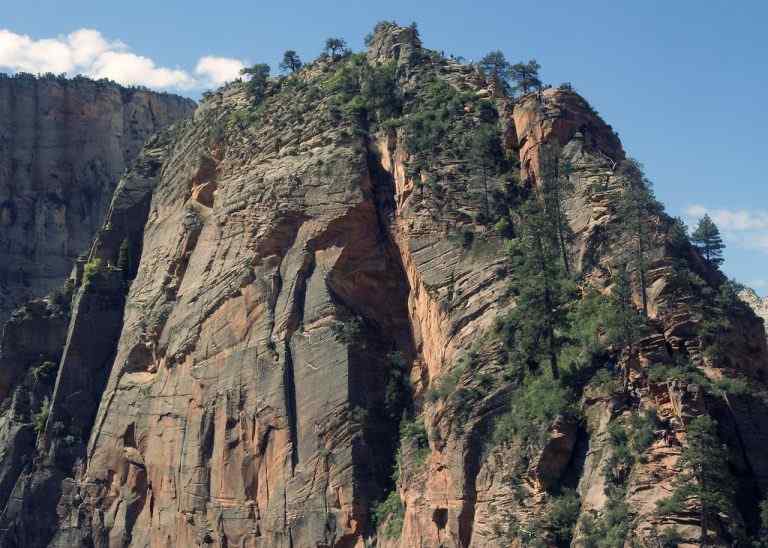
(398, 391)
(349, 332)
(336, 48)
(611, 528)
(707, 239)
(497, 68)
(40, 418)
(390, 513)
(534, 406)
(44, 373)
(365, 94)
(702, 476)
(257, 84)
(291, 61)
(637, 210)
(92, 270)
(624, 326)
(446, 384)
(413, 434)
(556, 187)
(563, 516)
(542, 291)
(526, 76)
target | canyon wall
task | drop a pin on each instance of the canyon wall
(63, 145)
(293, 339)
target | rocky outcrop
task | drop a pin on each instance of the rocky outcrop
(287, 333)
(63, 145)
(760, 306)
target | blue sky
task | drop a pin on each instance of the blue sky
(684, 83)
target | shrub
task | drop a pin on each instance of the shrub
(93, 268)
(533, 408)
(390, 513)
(563, 516)
(414, 434)
(643, 427)
(445, 385)
(349, 332)
(41, 417)
(44, 373)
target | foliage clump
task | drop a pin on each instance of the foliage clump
(389, 515)
(702, 476)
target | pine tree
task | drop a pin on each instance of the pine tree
(496, 67)
(526, 75)
(702, 475)
(335, 47)
(291, 61)
(556, 186)
(542, 289)
(637, 208)
(707, 238)
(624, 324)
(258, 81)
(485, 156)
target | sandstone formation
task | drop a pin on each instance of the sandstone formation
(286, 334)
(63, 145)
(760, 306)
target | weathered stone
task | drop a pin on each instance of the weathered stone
(63, 145)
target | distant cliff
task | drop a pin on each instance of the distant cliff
(63, 145)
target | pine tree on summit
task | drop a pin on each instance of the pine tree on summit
(291, 61)
(526, 75)
(707, 238)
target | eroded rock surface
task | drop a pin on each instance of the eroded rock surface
(280, 290)
(63, 146)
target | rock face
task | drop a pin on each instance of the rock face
(292, 337)
(63, 145)
(760, 306)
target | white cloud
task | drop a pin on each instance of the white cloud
(128, 68)
(729, 219)
(88, 52)
(742, 227)
(218, 70)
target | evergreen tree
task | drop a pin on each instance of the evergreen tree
(496, 67)
(485, 156)
(539, 319)
(526, 75)
(257, 84)
(624, 324)
(707, 238)
(335, 47)
(637, 208)
(291, 61)
(716, 327)
(556, 186)
(702, 475)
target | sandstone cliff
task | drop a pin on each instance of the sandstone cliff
(760, 306)
(63, 145)
(303, 345)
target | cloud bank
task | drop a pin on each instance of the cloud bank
(742, 227)
(88, 52)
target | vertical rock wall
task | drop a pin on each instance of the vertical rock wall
(63, 145)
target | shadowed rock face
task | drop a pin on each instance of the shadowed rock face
(63, 145)
(290, 290)
(760, 306)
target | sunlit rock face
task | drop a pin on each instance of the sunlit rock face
(284, 288)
